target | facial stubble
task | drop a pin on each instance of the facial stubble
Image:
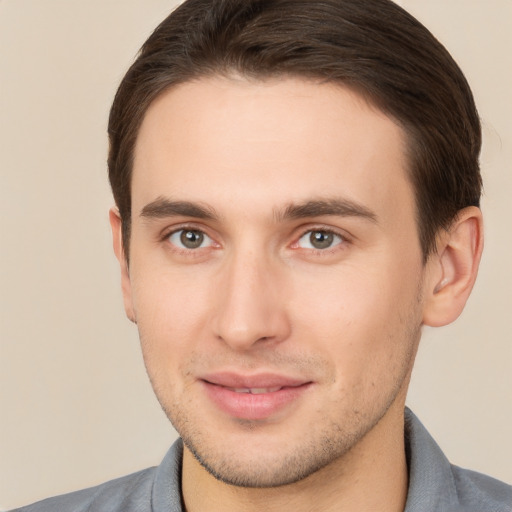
(331, 444)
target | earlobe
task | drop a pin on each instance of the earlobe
(117, 242)
(453, 268)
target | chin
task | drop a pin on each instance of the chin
(256, 458)
(262, 470)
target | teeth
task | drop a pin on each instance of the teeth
(258, 391)
(255, 391)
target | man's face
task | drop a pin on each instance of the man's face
(275, 272)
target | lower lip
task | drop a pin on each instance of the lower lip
(253, 407)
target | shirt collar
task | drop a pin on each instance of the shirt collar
(431, 482)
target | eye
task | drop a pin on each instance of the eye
(319, 239)
(190, 239)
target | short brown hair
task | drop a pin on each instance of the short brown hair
(373, 46)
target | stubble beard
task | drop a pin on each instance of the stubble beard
(314, 450)
(313, 455)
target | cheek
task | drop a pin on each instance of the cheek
(171, 314)
(341, 300)
(361, 319)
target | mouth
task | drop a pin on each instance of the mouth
(257, 397)
(255, 391)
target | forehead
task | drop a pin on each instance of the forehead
(275, 141)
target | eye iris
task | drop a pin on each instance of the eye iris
(192, 239)
(321, 239)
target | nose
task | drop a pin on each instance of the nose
(251, 307)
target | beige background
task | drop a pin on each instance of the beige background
(76, 407)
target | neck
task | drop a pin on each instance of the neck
(372, 476)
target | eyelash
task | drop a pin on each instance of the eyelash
(182, 250)
(343, 239)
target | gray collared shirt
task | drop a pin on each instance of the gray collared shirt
(434, 485)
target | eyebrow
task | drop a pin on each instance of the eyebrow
(163, 207)
(332, 206)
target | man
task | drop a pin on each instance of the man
(297, 193)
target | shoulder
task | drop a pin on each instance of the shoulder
(154, 489)
(435, 484)
(126, 494)
(476, 490)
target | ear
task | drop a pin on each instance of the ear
(117, 240)
(453, 268)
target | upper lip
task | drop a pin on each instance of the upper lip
(253, 381)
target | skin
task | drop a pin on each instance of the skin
(233, 163)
